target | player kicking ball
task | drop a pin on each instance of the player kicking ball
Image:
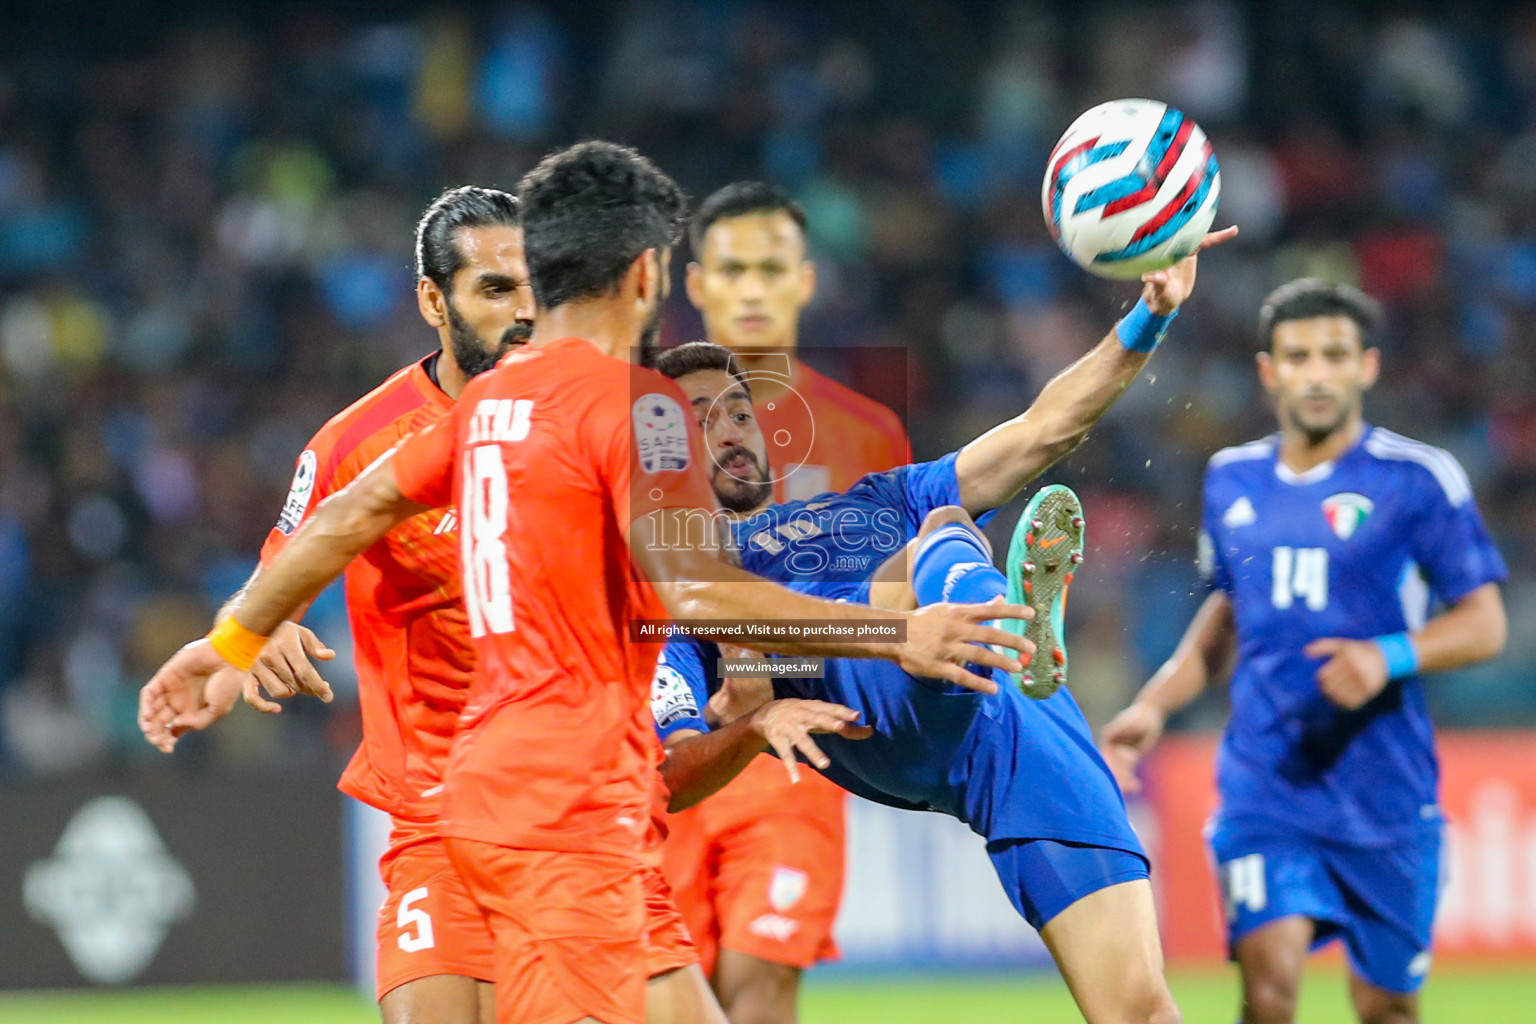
(551, 776)
(1021, 772)
(1326, 545)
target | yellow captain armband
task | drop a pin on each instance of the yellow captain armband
(236, 644)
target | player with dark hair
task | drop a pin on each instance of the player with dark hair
(442, 250)
(1326, 546)
(751, 278)
(415, 658)
(567, 467)
(404, 602)
(1022, 773)
(731, 860)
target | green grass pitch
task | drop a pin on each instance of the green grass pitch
(1207, 997)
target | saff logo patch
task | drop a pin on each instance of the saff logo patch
(1345, 512)
(299, 494)
(661, 434)
(786, 888)
(672, 698)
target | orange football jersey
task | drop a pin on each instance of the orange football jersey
(410, 634)
(828, 438)
(549, 458)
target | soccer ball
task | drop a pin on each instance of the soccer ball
(1130, 188)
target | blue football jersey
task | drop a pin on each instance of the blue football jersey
(1010, 767)
(830, 544)
(1357, 548)
(827, 546)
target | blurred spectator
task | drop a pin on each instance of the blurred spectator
(205, 251)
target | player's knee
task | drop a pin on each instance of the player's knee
(1156, 1006)
(1390, 1015)
(1139, 1002)
(1269, 1000)
(943, 516)
(437, 999)
(1167, 1012)
(1378, 1007)
(756, 991)
(760, 1004)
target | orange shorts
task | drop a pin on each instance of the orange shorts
(428, 924)
(668, 945)
(761, 872)
(569, 929)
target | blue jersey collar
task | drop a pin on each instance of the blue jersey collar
(1322, 471)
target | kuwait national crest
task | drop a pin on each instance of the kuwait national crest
(1345, 512)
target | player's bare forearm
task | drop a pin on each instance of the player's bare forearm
(699, 764)
(997, 465)
(739, 596)
(239, 595)
(677, 550)
(343, 527)
(1204, 653)
(1474, 629)
(696, 584)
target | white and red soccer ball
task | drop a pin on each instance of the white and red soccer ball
(1130, 188)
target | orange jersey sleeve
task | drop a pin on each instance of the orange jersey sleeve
(423, 463)
(305, 494)
(410, 640)
(656, 459)
(828, 436)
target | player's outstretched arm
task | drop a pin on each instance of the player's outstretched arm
(694, 583)
(996, 466)
(1204, 652)
(345, 525)
(698, 764)
(1471, 630)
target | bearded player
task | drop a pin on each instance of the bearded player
(577, 480)
(1022, 773)
(411, 639)
(732, 860)
(1327, 545)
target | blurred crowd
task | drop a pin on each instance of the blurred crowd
(205, 252)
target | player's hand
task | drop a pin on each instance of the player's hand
(787, 725)
(285, 668)
(1126, 740)
(162, 728)
(176, 698)
(943, 638)
(1354, 673)
(1165, 290)
(738, 696)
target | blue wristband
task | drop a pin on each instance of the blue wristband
(1141, 330)
(1402, 660)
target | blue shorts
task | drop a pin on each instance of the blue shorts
(1379, 900)
(1043, 877)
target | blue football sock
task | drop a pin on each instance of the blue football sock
(952, 564)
